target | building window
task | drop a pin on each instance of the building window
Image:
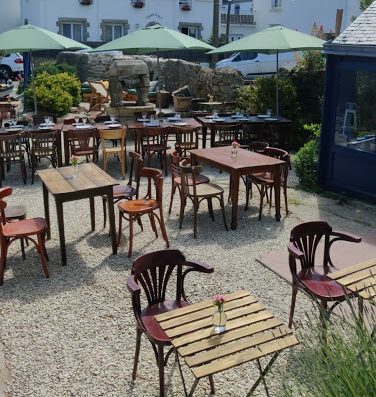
(276, 3)
(190, 29)
(234, 37)
(73, 28)
(237, 9)
(113, 29)
(274, 24)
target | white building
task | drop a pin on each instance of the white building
(104, 20)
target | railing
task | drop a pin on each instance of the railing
(236, 19)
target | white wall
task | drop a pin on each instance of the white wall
(302, 14)
(9, 14)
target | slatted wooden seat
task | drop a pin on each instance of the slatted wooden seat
(252, 332)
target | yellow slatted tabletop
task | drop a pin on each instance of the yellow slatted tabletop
(359, 278)
(252, 332)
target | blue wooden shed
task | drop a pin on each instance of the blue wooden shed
(347, 157)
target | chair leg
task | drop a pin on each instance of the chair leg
(173, 189)
(23, 171)
(195, 210)
(221, 201)
(120, 226)
(210, 207)
(247, 189)
(104, 203)
(33, 168)
(130, 236)
(293, 300)
(286, 204)
(262, 194)
(3, 260)
(153, 226)
(137, 354)
(161, 370)
(165, 161)
(123, 164)
(182, 208)
(23, 249)
(163, 227)
(41, 250)
(211, 383)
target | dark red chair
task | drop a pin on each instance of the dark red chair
(151, 273)
(304, 240)
(22, 229)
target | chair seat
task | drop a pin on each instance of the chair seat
(25, 227)
(263, 177)
(151, 324)
(83, 152)
(208, 189)
(123, 191)
(113, 150)
(138, 206)
(199, 179)
(320, 285)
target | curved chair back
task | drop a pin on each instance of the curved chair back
(188, 175)
(227, 133)
(154, 177)
(4, 192)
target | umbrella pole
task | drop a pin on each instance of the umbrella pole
(159, 87)
(276, 90)
(33, 84)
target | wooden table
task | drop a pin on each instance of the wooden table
(250, 120)
(360, 279)
(90, 182)
(252, 332)
(246, 162)
(138, 126)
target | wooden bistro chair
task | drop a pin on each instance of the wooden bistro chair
(227, 133)
(186, 139)
(11, 149)
(154, 140)
(100, 94)
(27, 229)
(175, 160)
(197, 193)
(43, 145)
(151, 274)
(304, 240)
(82, 142)
(134, 209)
(264, 181)
(107, 137)
(130, 190)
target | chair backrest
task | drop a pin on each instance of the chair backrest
(43, 143)
(138, 115)
(10, 146)
(136, 165)
(257, 146)
(69, 121)
(155, 135)
(4, 192)
(153, 271)
(6, 111)
(188, 174)
(306, 237)
(100, 88)
(281, 155)
(83, 139)
(110, 134)
(102, 118)
(154, 177)
(186, 139)
(39, 118)
(175, 160)
(227, 133)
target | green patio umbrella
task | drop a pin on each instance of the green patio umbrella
(273, 41)
(30, 38)
(154, 38)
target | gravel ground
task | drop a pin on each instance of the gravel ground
(74, 334)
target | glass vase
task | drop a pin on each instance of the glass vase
(75, 171)
(219, 320)
(234, 151)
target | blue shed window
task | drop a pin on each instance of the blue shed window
(355, 126)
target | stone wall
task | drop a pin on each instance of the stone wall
(174, 73)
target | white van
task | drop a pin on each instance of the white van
(253, 64)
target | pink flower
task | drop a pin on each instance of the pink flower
(219, 299)
(235, 144)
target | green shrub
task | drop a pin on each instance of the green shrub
(55, 93)
(55, 68)
(306, 159)
(342, 366)
(261, 95)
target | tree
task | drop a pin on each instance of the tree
(364, 4)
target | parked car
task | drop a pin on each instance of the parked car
(11, 65)
(253, 64)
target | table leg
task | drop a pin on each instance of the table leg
(213, 131)
(92, 213)
(66, 148)
(234, 199)
(46, 204)
(277, 191)
(59, 149)
(111, 218)
(263, 373)
(60, 224)
(204, 136)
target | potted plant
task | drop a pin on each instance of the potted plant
(138, 4)
(185, 7)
